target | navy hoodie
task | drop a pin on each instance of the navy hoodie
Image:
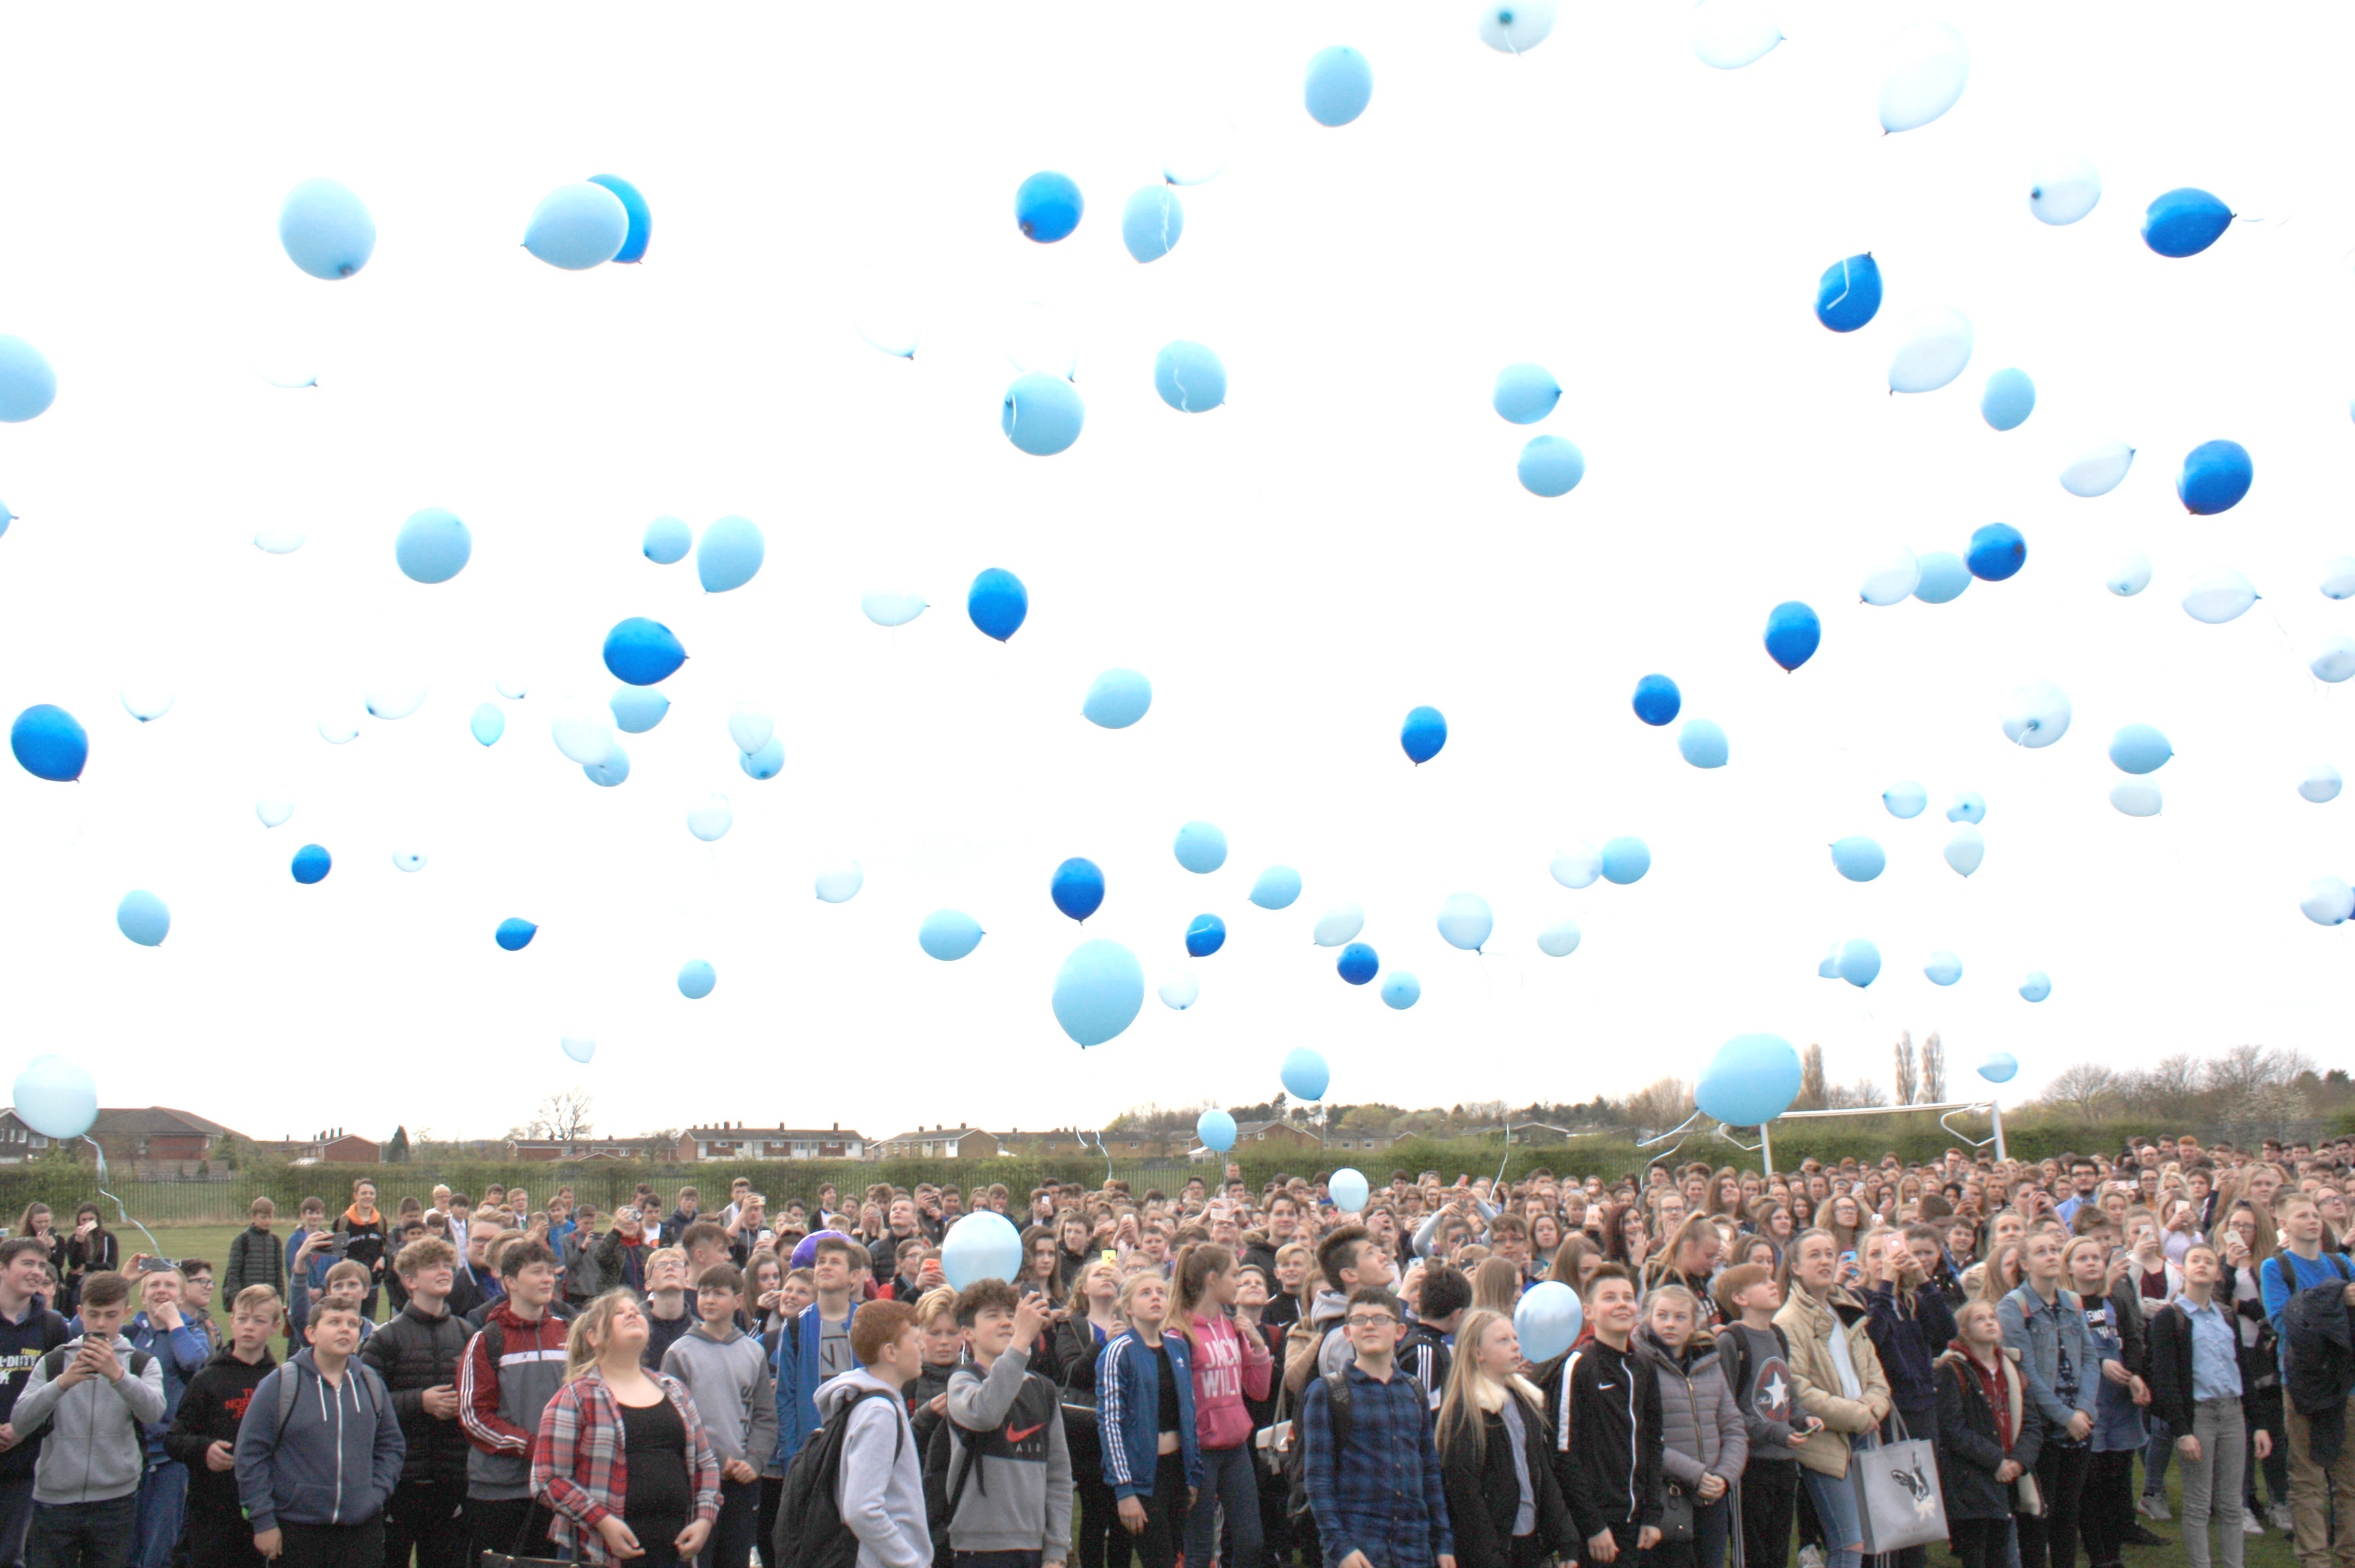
(338, 1457)
(22, 1343)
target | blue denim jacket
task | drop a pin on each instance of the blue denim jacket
(2038, 1332)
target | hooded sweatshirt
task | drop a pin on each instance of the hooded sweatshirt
(881, 1495)
(22, 1344)
(729, 1376)
(335, 1460)
(1314, 1354)
(210, 1408)
(97, 1447)
(1010, 1421)
(1227, 1368)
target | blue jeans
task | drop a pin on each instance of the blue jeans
(83, 1535)
(1227, 1478)
(2155, 1456)
(1836, 1511)
(163, 1505)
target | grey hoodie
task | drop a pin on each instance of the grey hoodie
(881, 1492)
(337, 1458)
(1021, 1498)
(734, 1391)
(97, 1447)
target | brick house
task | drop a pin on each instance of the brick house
(940, 1143)
(734, 1140)
(155, 1142)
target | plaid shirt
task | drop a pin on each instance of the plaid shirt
(1381, 1495)
(577, 1467)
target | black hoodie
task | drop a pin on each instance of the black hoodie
(210, 1411)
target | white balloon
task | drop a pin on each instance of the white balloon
(274, 812)
(510, 686)
(2339, 577)
(1038, 337)
(338, 730)
(1179, 990)
(1578, 866)
(1339, 924)
(395, 699)
(1730, 34)
(1965, 848)
(840, 883)
(1515, 26)
(2321, 783)
(583, 732)
(279, 541)
(2036, 715)
(1195, 147)
(1559, 940)
(1465, 921)
(1893, 581)
(750, 726)
(1926, 68)
(2328, 900)
(2130, 576)
(147, 703)
(408, 859)
(2135, 798)
(890, 326)
(1933, 346)
(2097, 469)
(2218, 595)
(711, 819)
(2065, 189)
(2335, 662)
(892, 609)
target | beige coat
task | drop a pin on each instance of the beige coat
(1809, 1324)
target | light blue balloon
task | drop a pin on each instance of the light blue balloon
(311, 864)
(2009, 399)
(1304, 1074)
(1465, 921)
(1200, 848)
(577, 227)
(1626, 859)
(1423, 734)
(1944, 575)
(1547, 1320)
(2139, 749)
(1701, 742)
(56, 1098)
(1152, 222)
(141, 917)
(1046, 206)
(728, 554)
(1524, 393)
(515, 933)
(637, 709)
(1752, 1079)
(696, 978)
(1215, 1131)
(2037, 986)
(981, 1245)
(1859, 962)
(1827, 966)
(1098, 991)
(1349, 1189)
(489, 724)
(1944, 968)
(1858, 858)
(1341, 84)
(611, 772)
(1041, 414)
(765, 763)
(1550, 466)
(1190, 377)
(2000, 1067)
(1276, 888)
(641, 652)
(27, 385)
(641, 217)
(1905, 801)
(1117, 699)
(1967, 807)
(948, 934)
(667, 542)
(326, 229)
(1402, 990)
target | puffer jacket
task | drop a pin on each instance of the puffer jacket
(412, 1353)
(1809, 1324)
(2039, 1333)
(1701, 1429)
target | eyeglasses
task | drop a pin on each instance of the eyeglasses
(1371, 1320)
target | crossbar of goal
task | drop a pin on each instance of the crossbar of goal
(1946, 1109)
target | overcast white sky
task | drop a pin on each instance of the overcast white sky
(1293, 571)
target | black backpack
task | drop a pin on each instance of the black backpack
(810, 1532)
(1340, 1421)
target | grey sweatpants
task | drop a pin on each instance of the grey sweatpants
(2212, 1483)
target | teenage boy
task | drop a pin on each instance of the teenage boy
(622, 1256)
(29, 1330)
(880, 1492)
(667, 1318)
(1605, 1397)
(815, 1345)
(197, 1300)
(203, 1436)
(418, 1355)
(705, 1243)
(257, 1256)
(163, 1330)
(725, 1371)
(1376, 1492)
(2300, 1266)
(412, 1229)
(313, 1484)
(883, 1257)
(475, 1280)
(584, 1280)
(1348, 1259)
(99, 1393)
(2195, 1389)
(347, 1284)
(690, 1202)
(511, 1370)
(1008, 1420)
(1756, 1360)
(1446, 1297)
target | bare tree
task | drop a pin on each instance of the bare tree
(564, 1116)
(1812, 1090)
(2085, 1087)
(1862, 1094)
(1659, 1104)
(1907, 1083)
(1934, 1070)
(2167, 1089)
(2243, 1069)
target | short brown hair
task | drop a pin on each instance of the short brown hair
(983, 1296)
(425, 1253)
(261, 1206)
(104, 1288)
(519, 1255)
(846, 1246)
(1608, 1271)
(255, 1296)
(1732, 1282)
(349, 1268)
(876, 1326)
(701, 1232)
(721, 1276)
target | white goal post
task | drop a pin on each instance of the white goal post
(1946, 1108)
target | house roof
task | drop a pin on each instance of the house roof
(1252, 1130)
(939, 1135)
(152, 1121)
(828, 1134)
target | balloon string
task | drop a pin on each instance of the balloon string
(122, 1212)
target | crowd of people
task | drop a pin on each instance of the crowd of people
(1213, 1375)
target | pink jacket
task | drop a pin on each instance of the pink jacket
(1227, 1367)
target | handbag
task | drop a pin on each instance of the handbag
(1078, 1404)
(1898, 1501)
(1676, 1515)
(515, 1559)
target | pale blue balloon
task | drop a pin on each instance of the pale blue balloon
(728, 554)
(696, 978)
(1967, 807)
(1626, 859)
(1752, 1079)
(326, 229)
(948, 934)
(1550, 466)
(1304, 1074)
(2000, 1067)
(1944, 575)
(1465, 921)
(1277, 887)
(1152, 222)
(1349, 1190)
(2139, 749)
(1098, 992)
(1524, 393)
(667, 542)
(981, 1245)
(577, 227)
(765, 763)
(1905, 801)
(2037, 986)
(1547, 1320)
(2009, 399)
(1117, 699)
(489, 724)
(1858, 858)
(1859, 962)
(611, 772)
(1041, 414)
(27, 385)
(141, 917)
(56, 1098)
(1215, 1131)
(1701, 742)
(1190, 377)
(1200, 848)
(1827, 966)
(637, 709)
(1944, 968)
(1341, 84)
(1401, 990)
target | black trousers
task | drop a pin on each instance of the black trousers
(509, 1525)
(2108, 1505)
(1981, 1542)
(332, 1545)
(1104, 1543)
(1164, 1535)
(1770, 1500)
(216, 1533)
(426, 1517)
(2050, 1540)
(729, 1544)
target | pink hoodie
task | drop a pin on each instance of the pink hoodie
(1226, 1368)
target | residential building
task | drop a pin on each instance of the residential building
(939, 1143)
(19, 1143)
(734, 1140)
(333, 1146)
(155, 1142)
(571, 1151)
(1281, 1135)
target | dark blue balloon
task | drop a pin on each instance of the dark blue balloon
(641, 652)
(997, 603)
(311, 863)
(1359, 963)
(1423, 734)
(2184, 222)
(1077, 888)
(1997, 551)
(1848, 295)
(49, 742)
(1205, 936)
(1657, 700)
(1794, 632)
(2215, 476)
(1046, 206)
(514, 934)
(642, 221)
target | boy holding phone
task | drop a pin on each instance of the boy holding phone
(99, 1393)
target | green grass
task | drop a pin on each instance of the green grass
(209, 1242)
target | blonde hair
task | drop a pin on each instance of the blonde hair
(1660, 1293)
(1471, 1393)
(1496, 1285)
(932, 1303)
(596, 1322)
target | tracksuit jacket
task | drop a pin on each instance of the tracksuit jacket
(1604, 1408)
(1129, 1413)
(500, 1405)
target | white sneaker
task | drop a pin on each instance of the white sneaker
(1811, 1557)
(2152, 1506)
(2278, 1516)
(2249, 1525)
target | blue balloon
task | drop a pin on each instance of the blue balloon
(765, 763)
(1046, 206)
(1215, 1130)
(2009, 399)
(326, 229)
(1402, 990)
(633, 207)
(667, 542)
(141, 917)
(27, 385)
(637, 709)
(997, 603)
(1848, 293)
(1828, 968)
(1625, 860)
(1359, 963)
(1702, 743)
(1098, 991)
(610, 772)
(311, 864)
(1944, 575)
(1794, 632)
(1550, 466)
(696, 978)
(1349, 1190)
(2000, 1067)
(50, 743)
(1041, 414)
(515, 933)
(2184, 222)
(1657, 700)
(1944, 968)
(1752, 1079)
(981, 1245)
(728, 554)
(1304, 1074)
(1190, 377)
(1859, 962)
(2139, 749)
(1200, 848)
(1524, 393)
(577, 227)
(1423, 734)
(1077, 886)
(642, 652)
(56, 1098)
(1905, 801)
(1116, 700)
(2216, 475)
(1858, 858)
(1547, 1320)
(489, 724)
(1205, 936)
(1341, 84)
(2037, 986)
(1152, 223)
(1276, 888)
(1997, 551)
(948, 934)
